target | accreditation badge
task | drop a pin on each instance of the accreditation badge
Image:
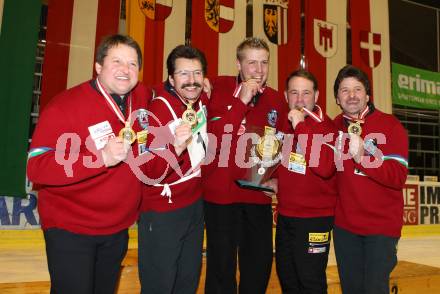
(142, 148)
(297, 163)
(101, 133)
(141, 138)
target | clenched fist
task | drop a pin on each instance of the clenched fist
(249, 89)
(356, 147)
(182, 136)
(295, 116)
(115, 151)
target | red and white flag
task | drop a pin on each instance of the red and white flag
(325, 46)
(74, 30)
(217, 27)
(158, 26)
(370, 45)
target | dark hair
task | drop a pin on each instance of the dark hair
(113, 41)
(303, 74)
(252, 43)
(350, 71)
(188, 52)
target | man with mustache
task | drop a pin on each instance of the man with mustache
(239, 221)
(369, 209)
(171, 222)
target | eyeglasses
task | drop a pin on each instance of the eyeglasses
(184, 74)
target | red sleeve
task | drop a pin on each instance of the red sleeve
(62, 164)
(225, 110)
(392, 157)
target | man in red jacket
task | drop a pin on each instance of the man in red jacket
(89, 196)
(171, 221)
(371, 171)
(306, 191)
(239, 221)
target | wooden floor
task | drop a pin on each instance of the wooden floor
(408, 277)
(24, 270)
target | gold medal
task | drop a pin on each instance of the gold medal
(127, 133)
(355, 128)
(189, 116)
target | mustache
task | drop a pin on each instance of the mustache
(195, 84)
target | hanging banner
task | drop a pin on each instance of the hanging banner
(158, 26)
(18, 43)
(217, 27)
(74, 31)
(279, 23)
(415, 87)
(325, 46)
(370, 46)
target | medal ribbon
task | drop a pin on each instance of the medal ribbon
(238, 89)
(361, 116)
(113, 105)
(185, 101)
(317, 115)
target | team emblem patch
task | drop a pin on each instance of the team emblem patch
(272, 117)
(143, 118)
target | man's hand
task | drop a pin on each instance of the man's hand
(249, 89)
(295, 116)
(115, 151)
(356, 147)
(182, 136)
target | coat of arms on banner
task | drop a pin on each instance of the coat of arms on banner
(156, 9)
(325, 37)
(275, 20)
(371, 47)
(219, 15)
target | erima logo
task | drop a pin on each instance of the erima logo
(418, 84)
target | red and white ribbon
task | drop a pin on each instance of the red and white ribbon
(113, 104)
(317, 115)
(360, 117)
(238, 89)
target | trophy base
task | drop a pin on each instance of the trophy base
(252, 186)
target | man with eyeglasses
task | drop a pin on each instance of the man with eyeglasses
(171, 223)
(238, 220)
